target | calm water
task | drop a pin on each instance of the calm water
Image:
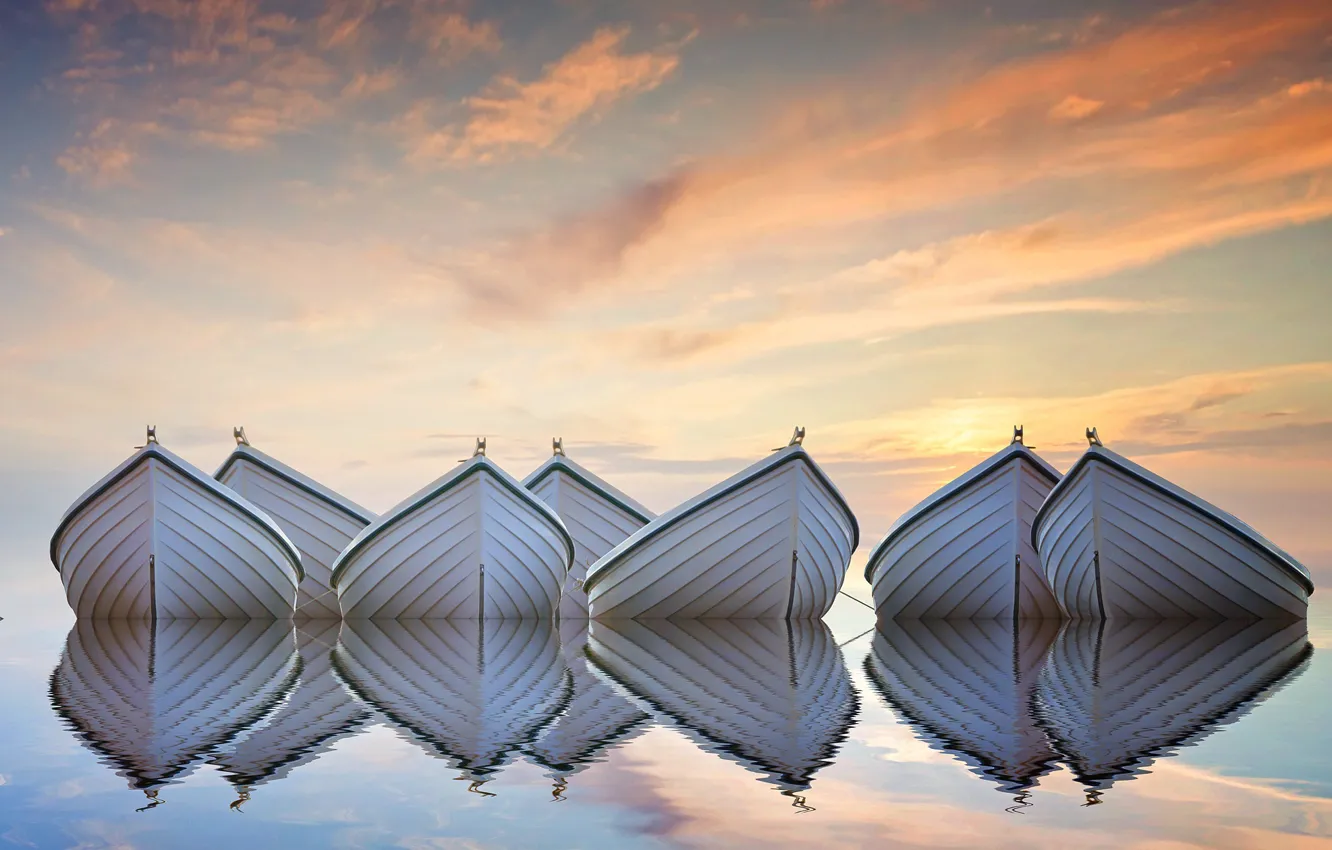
(437, 734)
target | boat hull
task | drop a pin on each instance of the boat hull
(773, 542)
(321, 526)
(969, 555)
(160, 540)
(474, 545)
(598, 518)
(1117, 543)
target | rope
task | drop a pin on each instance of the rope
(849, 596)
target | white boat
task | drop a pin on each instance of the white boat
(596, 719)
(473, 692)
(1119, 541)
(317, 520)
(597, 515)
(318, 713)
(473, 544)
(158, 538)
(771, 541)
(967, 688)
(772, 695)
(1117, 695)
(152, 699)
(965, 552)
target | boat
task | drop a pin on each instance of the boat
(597, 515)
(596, 719)
(965, 552)
(1118, 541)
(472, 544)
(774, 540)
(772, 695)
(317, 714)
(967, 688)
(157, 538)
(152, 699)
(1116, 695)
(472, 692)
(316, 519)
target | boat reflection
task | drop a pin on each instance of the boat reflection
(474, 692)
(1116, 695)
(773, 695)
(153, 699)
(596, 719)
(318, 713)
(966, 687)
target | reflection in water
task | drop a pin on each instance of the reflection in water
(153, 699)
(966, 687)
(772, 694)
(472, 691)
(317, 714)
(1117, 694)
(596, 718)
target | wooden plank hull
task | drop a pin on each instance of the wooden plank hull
(472, 545)
(152, 699)
(472, 692)
(1116, 695)
(159, 539)
(967, 688)
(774, 541)
(1116, 541)
(317, 714)
(773, 695)
(319, 522)
(966, 551)
(598, 516)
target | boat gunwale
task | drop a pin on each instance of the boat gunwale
(292, 476)
(1236, 526)
(707, 498)
(590, 480)
(978, 473)
(217, 488)
(474, 466)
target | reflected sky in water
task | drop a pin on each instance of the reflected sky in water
(466, 734)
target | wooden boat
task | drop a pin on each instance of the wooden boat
(1117, 695)
(157, 538)
(317, 520)
(153, 699)
(473, 692)
(772, 695)
(596, 719)
(967, 688)
(772, 541)
(473, 544)
(317, 714)
(1119, 541)
(965, 552)
(597, 515)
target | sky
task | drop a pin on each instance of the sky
(372, 230)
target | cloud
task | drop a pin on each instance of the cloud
(511, 116)
(449, 35)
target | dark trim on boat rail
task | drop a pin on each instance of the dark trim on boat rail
(1211, 512)
(213, 486)
(560, 465)
(265, 463)
(671, 518)
(982, 471)
(479, 464)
